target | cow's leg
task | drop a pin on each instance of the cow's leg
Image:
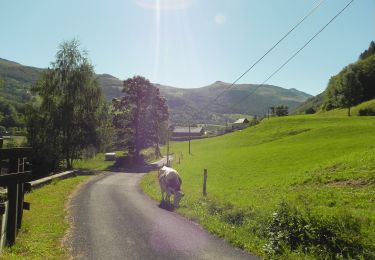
(168, 198)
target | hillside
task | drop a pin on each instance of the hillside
(15, 83)
(351, 86)
(311, 105)
(182, 102)
(256, 104)
(315, 172)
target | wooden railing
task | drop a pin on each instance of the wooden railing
(14, 178)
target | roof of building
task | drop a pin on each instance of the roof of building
(185, 129)
(241, 121)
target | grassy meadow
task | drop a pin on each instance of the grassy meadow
(290, 187)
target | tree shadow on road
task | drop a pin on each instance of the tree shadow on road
(129, 164)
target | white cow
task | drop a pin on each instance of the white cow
(170, 183)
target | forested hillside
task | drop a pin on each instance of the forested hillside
(184, 104)
(15, 84)
(354, 84)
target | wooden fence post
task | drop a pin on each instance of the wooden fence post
(20, 204)
(12, 213)
(204, 182)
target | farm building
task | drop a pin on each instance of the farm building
(240, 123)
(183, 131)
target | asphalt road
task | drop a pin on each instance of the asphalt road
(113, 219)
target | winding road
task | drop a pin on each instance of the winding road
(113, 219)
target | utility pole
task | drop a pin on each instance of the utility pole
(168, 147)
(189, 139)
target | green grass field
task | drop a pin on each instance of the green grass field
(321, 166)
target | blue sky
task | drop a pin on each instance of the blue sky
(192, 43)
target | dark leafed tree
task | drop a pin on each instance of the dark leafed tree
(370, 51)
(67, 120)
(281, 110)
(350, 89)
(138, 116)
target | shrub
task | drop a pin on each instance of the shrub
(310, 110)
(327, 237)
(227, 212)
(366, 112)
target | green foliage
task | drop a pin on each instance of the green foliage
(327, 237)
(280, 110)
(310, 110)
(15, 84)
(3, 130)
(310, 105)
(67, 121)
(370, 51)
(353, 85)
(366, 112)
(138, 115)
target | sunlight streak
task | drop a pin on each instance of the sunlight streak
(164, 4)
(157, 43)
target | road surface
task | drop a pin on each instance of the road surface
(113, 219)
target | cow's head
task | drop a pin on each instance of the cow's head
(177, 198)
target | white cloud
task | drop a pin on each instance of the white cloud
(220, 19)
(164, 4)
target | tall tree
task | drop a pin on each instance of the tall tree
(370, 51)
(138, 115)
(281, 110)
(67, 120)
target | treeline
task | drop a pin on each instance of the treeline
(12, 104)
(354, 84)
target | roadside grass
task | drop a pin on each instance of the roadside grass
(317, 169)
(97, 162)
(44, 226)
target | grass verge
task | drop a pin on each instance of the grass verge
(44, 226)
(97, 162)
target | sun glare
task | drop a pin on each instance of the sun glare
(157, 41)
(164, 4)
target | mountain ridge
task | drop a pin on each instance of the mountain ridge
(181, 101)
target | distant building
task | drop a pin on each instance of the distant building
(183, 131)
(240, 124)
(242, 121)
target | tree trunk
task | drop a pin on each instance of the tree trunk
(157, 151)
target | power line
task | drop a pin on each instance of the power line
(264, 55)
(293, 56)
